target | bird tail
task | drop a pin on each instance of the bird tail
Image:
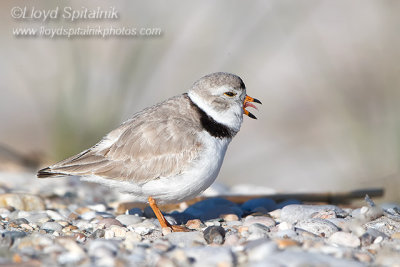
(49, 173)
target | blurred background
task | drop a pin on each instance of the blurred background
(327, 72)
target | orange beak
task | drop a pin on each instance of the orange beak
(247, 103)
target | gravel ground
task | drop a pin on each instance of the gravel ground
(66, 223)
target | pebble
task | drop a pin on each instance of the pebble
(99, 233)
(128, 219)
(88, 215)
(37, 217)
(54, 215)
(344, 239)
(214, 235)
(260, 249)
(294, 213)
(395, 235)
(264, 220)
(101, 248)
(20, 221)
(257, 231)
(52, 226)
(194, 224)
(143, 228)
(283, 226)
(229, 217)
(319, 227)
(21, 201)
(119, 232)
(186, 239)
(107, 222)
(210, 256)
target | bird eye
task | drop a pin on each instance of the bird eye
(230, 94)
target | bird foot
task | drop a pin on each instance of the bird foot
(179, 228)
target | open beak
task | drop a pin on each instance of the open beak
(247, 103)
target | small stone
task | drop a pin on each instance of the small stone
(345, 239)
(26, 227)
(37, 218)
(295, 213)
(21, 201)
(214, 235)
(166, 230)
(396, 235)
(319, 227)
(284, 243)
(283, 226)
(52, 226)
(89, 215)
(19, 221)
(84, 225)
(264, 220)
(131, 239)
(82, 210)
(290, 233)
(73, 216)
(260, 249)
(213, 223)
(232, 240)
(186, 239)
(107, 222)
(80, 237)
(366, 239)
(143, 228)
(54, 215)
(17, 258)
(229, 217)
(367, 214)
(75, 252)
(324, 214)
(243, 229)
(128, 219)
(210, 256)
(109, 234)
(257, 231)
(70, 228)
(363, 257)
(161, 245)
(98, 207)
(378, 240)
(275, 214)
(99, 233)
(119, 232)
(194, 224)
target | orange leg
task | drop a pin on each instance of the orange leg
(163, 222)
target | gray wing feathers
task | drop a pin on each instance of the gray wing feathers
(160, 141)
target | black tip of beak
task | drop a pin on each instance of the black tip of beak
(257, 101)
(252, 116)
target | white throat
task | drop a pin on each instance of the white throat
(232, 117)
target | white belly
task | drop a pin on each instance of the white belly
(193, 181)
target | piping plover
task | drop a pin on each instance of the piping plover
(169, 152)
